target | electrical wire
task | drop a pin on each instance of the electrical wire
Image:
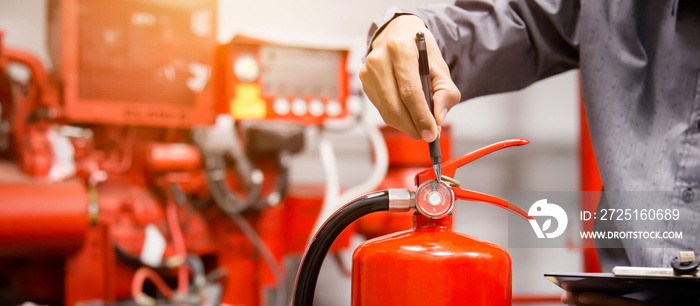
(333, 199)
(218, 145)
(218, 275)
(215, 165)
(140, 277)
(381, 165)
(259, 245)
(282, 181)
(179, 245)
(229, 202)
(195, 264)
(266, 254)
(129, 258)
(331, 192)
(128, 151)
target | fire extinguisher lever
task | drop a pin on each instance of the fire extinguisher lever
(450, 167)
(470, 195)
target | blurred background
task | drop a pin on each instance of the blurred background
(546, 113)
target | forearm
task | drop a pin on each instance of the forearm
(501, 46)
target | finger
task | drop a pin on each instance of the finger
(597, 299)
(379, 84)
(568, 298)
(445, 92)
(444, 101)
(408, 85)
(397, 116)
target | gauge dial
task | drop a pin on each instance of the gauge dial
(246, 68)
(434, 199)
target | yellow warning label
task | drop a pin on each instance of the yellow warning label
(248, 103)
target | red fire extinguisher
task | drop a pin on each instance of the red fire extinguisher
(427, 265)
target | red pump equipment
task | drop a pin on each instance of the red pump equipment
(428, 265)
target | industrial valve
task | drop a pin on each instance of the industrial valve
(427, 265)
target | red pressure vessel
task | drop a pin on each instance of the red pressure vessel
(430, 265)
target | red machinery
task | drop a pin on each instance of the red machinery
(103, 185)
(428, 265)
(269, 81)
(145, 63)
(114, 185)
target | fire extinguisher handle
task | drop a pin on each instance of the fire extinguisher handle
(318, 248)
(450, 167)
(470, 195)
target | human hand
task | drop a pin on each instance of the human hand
(597, 299)
(391, 79)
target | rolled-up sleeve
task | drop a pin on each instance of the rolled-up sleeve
(499, 46)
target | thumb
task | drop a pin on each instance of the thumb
(445, 96)
(445, 92)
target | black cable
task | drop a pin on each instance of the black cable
(178, 195)
(128, 258)
(277, 272)
(215, 174)
(330, 230)
(282, 184)
(281, 187)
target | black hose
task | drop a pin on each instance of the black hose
(324, 238)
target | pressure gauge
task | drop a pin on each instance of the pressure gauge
(246, 68)
(434, 199)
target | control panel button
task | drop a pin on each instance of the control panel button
(333, 108)
(281, 106)
(299, 107)
(316, 108)
(246, 68)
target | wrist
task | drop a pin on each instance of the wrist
(403, 21)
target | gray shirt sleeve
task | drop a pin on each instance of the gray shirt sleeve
(499, 46)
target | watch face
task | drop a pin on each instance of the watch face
(246, 68)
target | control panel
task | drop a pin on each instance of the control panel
(264, 81)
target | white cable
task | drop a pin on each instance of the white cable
(381, 165)
(332, 199)
(330, 174)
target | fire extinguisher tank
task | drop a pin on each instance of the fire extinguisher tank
(430, 265)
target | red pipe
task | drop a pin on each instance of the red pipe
(43, 218)
(140, 277)
(179, 244)
(48, 93)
